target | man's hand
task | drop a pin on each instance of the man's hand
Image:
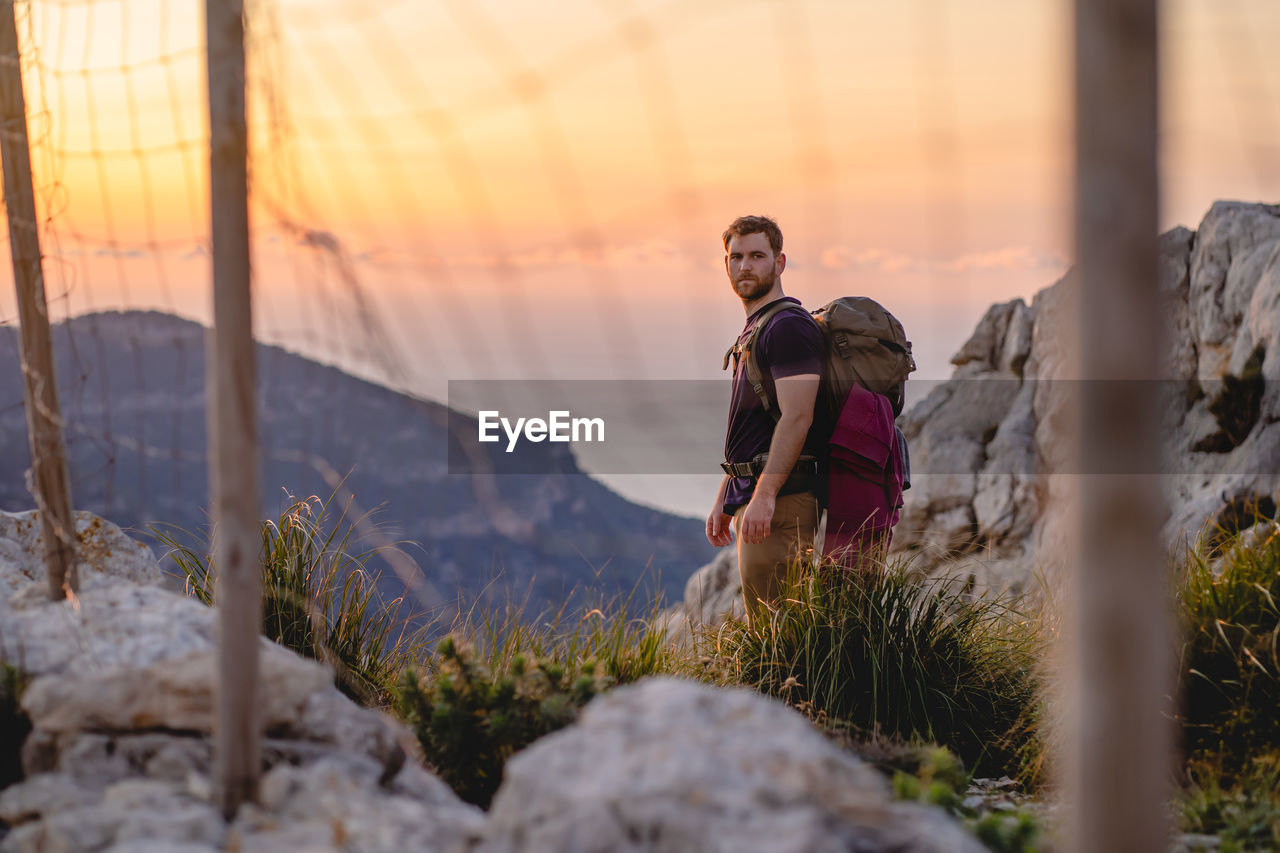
(719, 532)
(757, 518)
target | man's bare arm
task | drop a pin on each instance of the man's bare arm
(796, 396)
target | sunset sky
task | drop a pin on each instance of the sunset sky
(518, 189)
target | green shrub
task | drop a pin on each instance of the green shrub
(889, 654)
(1242, 808)
(938, 778)
(471, 718)
(318, 597)
(1229, 671)
(500, 681)
(1007, 832)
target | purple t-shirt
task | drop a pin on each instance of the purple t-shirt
(790, 344)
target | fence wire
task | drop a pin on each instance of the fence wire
(511, 190)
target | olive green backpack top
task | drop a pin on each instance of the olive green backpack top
(865, 344)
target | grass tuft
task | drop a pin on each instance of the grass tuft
(888, 654)
(1229, 669)
(319, 598)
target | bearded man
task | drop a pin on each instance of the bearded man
(769, 491)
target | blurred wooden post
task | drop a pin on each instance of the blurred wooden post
(40, 393)
(1121, 765)
(233, 433)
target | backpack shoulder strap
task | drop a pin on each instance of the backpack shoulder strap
(748, 351)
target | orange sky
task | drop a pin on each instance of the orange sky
(530, 188)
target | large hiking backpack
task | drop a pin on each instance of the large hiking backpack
(865, 344)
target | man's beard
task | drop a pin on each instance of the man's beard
(752, 288)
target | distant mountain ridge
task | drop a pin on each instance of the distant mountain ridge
(132, 389)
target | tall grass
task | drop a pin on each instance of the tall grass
(1228, 717)
(888, 653)
(619, 633)
(319, 597)
(1229, 668)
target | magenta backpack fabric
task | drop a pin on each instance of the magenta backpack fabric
(864, 488)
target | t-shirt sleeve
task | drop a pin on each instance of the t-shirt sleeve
(792, 345)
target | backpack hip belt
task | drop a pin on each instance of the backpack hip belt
(804, 465)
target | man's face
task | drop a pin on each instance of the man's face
(752, 266)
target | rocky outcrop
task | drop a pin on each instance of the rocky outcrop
(984, 442)
(120, 702)
(674, 765)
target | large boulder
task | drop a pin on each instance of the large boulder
(120, 700)
(670, 765)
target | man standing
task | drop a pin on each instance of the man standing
(771, 457)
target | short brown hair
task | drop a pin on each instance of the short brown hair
(744, 225)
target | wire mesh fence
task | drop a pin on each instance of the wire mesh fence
(497, 190)
(447, 194)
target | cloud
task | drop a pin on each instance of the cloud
(649, 254)
(1009, 258)
(884, 260)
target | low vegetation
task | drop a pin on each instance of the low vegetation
(1242, 806)
(939, 779)
(871, 658)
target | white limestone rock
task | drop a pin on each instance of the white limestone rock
(105, 556)
(1229, 239)
(176, 693)
(670, 765)
(336, 803)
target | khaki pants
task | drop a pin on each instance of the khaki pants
(763, 566)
